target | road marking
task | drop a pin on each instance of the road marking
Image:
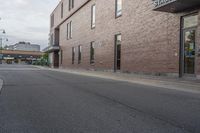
(1, 85)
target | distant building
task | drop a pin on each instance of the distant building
(19, 56)
(24, 46)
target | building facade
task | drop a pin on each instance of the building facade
(24, 46)
(160, 37)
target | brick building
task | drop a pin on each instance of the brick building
(159, 37)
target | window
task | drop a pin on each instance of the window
(73, 54)
(61, 57)
(62, 10)
(92, 53)
(52, 40)
(190, 21)
(79, 53)
(118, 10)
(93, 16)
(52, 20)
(69, 30)
(118, 39)
(71, 4)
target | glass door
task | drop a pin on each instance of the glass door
(188, 40)
(189, 51)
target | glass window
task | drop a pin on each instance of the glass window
(189, 52)
(61, 57)
(118, 52)
(69, 30)
(190, 21)
(52, 20)
(92, 53)
(71, 4)
(52, 40)
(93, 16)
(79, 53)
(70, 35)
(62, 10)
(118, 11)
(73, 54)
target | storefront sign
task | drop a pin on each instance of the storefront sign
(8, 58)
(160, 3)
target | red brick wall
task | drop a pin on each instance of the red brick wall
(150, 39)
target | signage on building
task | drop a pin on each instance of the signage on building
(160, 3)
(8, 58)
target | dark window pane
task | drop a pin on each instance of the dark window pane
(92, 52)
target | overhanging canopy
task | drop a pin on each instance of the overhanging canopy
(175, 6)
(50, 49)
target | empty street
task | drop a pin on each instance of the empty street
(35, 100)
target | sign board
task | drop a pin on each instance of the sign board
(160, 3)
(8, 58)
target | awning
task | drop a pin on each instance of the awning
(50, 49)
(175, 6)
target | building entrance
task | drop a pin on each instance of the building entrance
(188, 45)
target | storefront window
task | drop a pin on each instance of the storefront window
(190, 21)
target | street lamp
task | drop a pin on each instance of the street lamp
(1, 48)
(3, 31)
(1, 39)
(1, 44)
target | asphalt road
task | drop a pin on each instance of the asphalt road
(42, 101)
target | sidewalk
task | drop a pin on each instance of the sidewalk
(156, 81)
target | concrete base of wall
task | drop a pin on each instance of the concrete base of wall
(174, 75)
(198, 76)
(170, 75)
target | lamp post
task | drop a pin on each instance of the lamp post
(1, 45)
(1, 39)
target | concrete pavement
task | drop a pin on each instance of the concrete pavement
(42, 101)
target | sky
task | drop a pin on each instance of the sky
(26, 20)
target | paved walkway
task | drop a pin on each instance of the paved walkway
(188, 85)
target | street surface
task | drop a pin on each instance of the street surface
(34, 100)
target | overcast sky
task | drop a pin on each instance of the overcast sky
(26, 20)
